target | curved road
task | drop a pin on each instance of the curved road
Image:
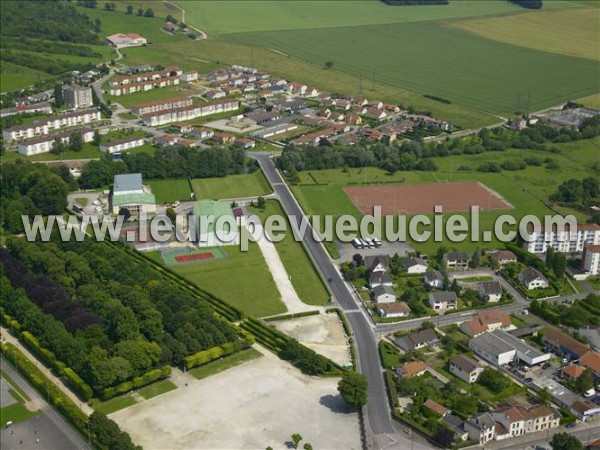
(378, 416)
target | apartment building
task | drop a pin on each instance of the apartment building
(564, 240)
(43, 144)
(161, 105)
(189, 112)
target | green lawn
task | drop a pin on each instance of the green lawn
(223, 364)
(16, 412)
(167, 191)
(475, 279)
(155, 389)
(115, 404)
(13, 76)
(88, 151)
(232, 186)
(306, 281)
(149, 96)
(432, 58)
(254, 290)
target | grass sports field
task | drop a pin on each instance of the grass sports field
(525, 189)
(233, 186)
(167, 191)
(306, 281)
(441, 63)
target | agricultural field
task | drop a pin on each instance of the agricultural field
(218, 18)
(255, 291)
(574, 32)
(232, 186)
(526, 189)
(441, 64)
(306, 281)
(167, 191)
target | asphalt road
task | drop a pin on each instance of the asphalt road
(50, 428)
(379, 420)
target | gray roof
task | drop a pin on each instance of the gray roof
(410, 341)
(381, 290)
(491, 287)
(379, 277)
(500, 341)
(372, 261)
(455, 423)
(457, 256)
(128, 182)
(530, 274)
(485, 419)
(433, 274)
(410, 262)
(444, 296)
(464, 363)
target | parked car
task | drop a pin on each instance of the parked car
(529, 380)
(589, 393)
(176, 204)
(571, 424)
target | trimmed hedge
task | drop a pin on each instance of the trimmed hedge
(45, 355)
(390, 379)
(138, 382)
(9, 322)
(81, 387)
(292, 316)
(206, 356)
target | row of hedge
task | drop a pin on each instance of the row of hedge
(63, 404)
(47, 357)
(136, 383)
(390, 379)
(292, 316)
(206, 356)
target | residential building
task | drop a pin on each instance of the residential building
(129, 193)
(572, 372)
(414, 265)
(443, 300)
(166, 140)
(374, 113)
(77, 96)
(417, 340)
(51, 123)
(436, 408)
(519, 420)
(562, 239)
(499, 348)
(457, 426)
(384, 294)
(379, 279)
(120, 145)
(591, 259)
(490, 291)
(161, 105)
(504, 257)
(562, 344)
(481, 428)
(132, 88)
(592, 334)
(434, 279)
(379, 263)
(45, 143)
(43, 107)
(245, 143)
(486, 321)
(533, 279)
(412, 369)
(202, 132)
(591, 360)
(190, 112)
(126, 40)
(261, 117)
(584, 410)
(182, 127)
(456, 260)
(396, 309)
(221, 230)
(465, 368)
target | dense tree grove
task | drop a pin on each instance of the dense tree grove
(578, 192)
(415, 155)
(99, 312)
(30, 189)
(529, 4)
(353, 389)
(169, 162)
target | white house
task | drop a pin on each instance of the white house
(379, 279)
(189, 76)
(396, 309)
(126, 40)
(384, 294)
(532, 278)
(434, 279)
(465, 368)
(129, 193)
(375, 264)
(442, 300)
(43, 144)
(121, 144)
(414, 265)
(490, 291)
(591, 259)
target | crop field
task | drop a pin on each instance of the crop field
(218, 17)
(502, 79)
(525, 189)
(233, 186)
(167, 191)
(574, 32)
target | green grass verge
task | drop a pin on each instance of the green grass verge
(155, 389)
(167, 191)
(299, 267)
(16, 412)
(115, 404)
(475, 279)
(88, 151)
(232, 186)
(223, 364)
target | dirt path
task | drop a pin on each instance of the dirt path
(202, 34)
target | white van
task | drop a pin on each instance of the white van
(176, 204)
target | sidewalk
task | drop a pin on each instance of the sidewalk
(7, 337)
